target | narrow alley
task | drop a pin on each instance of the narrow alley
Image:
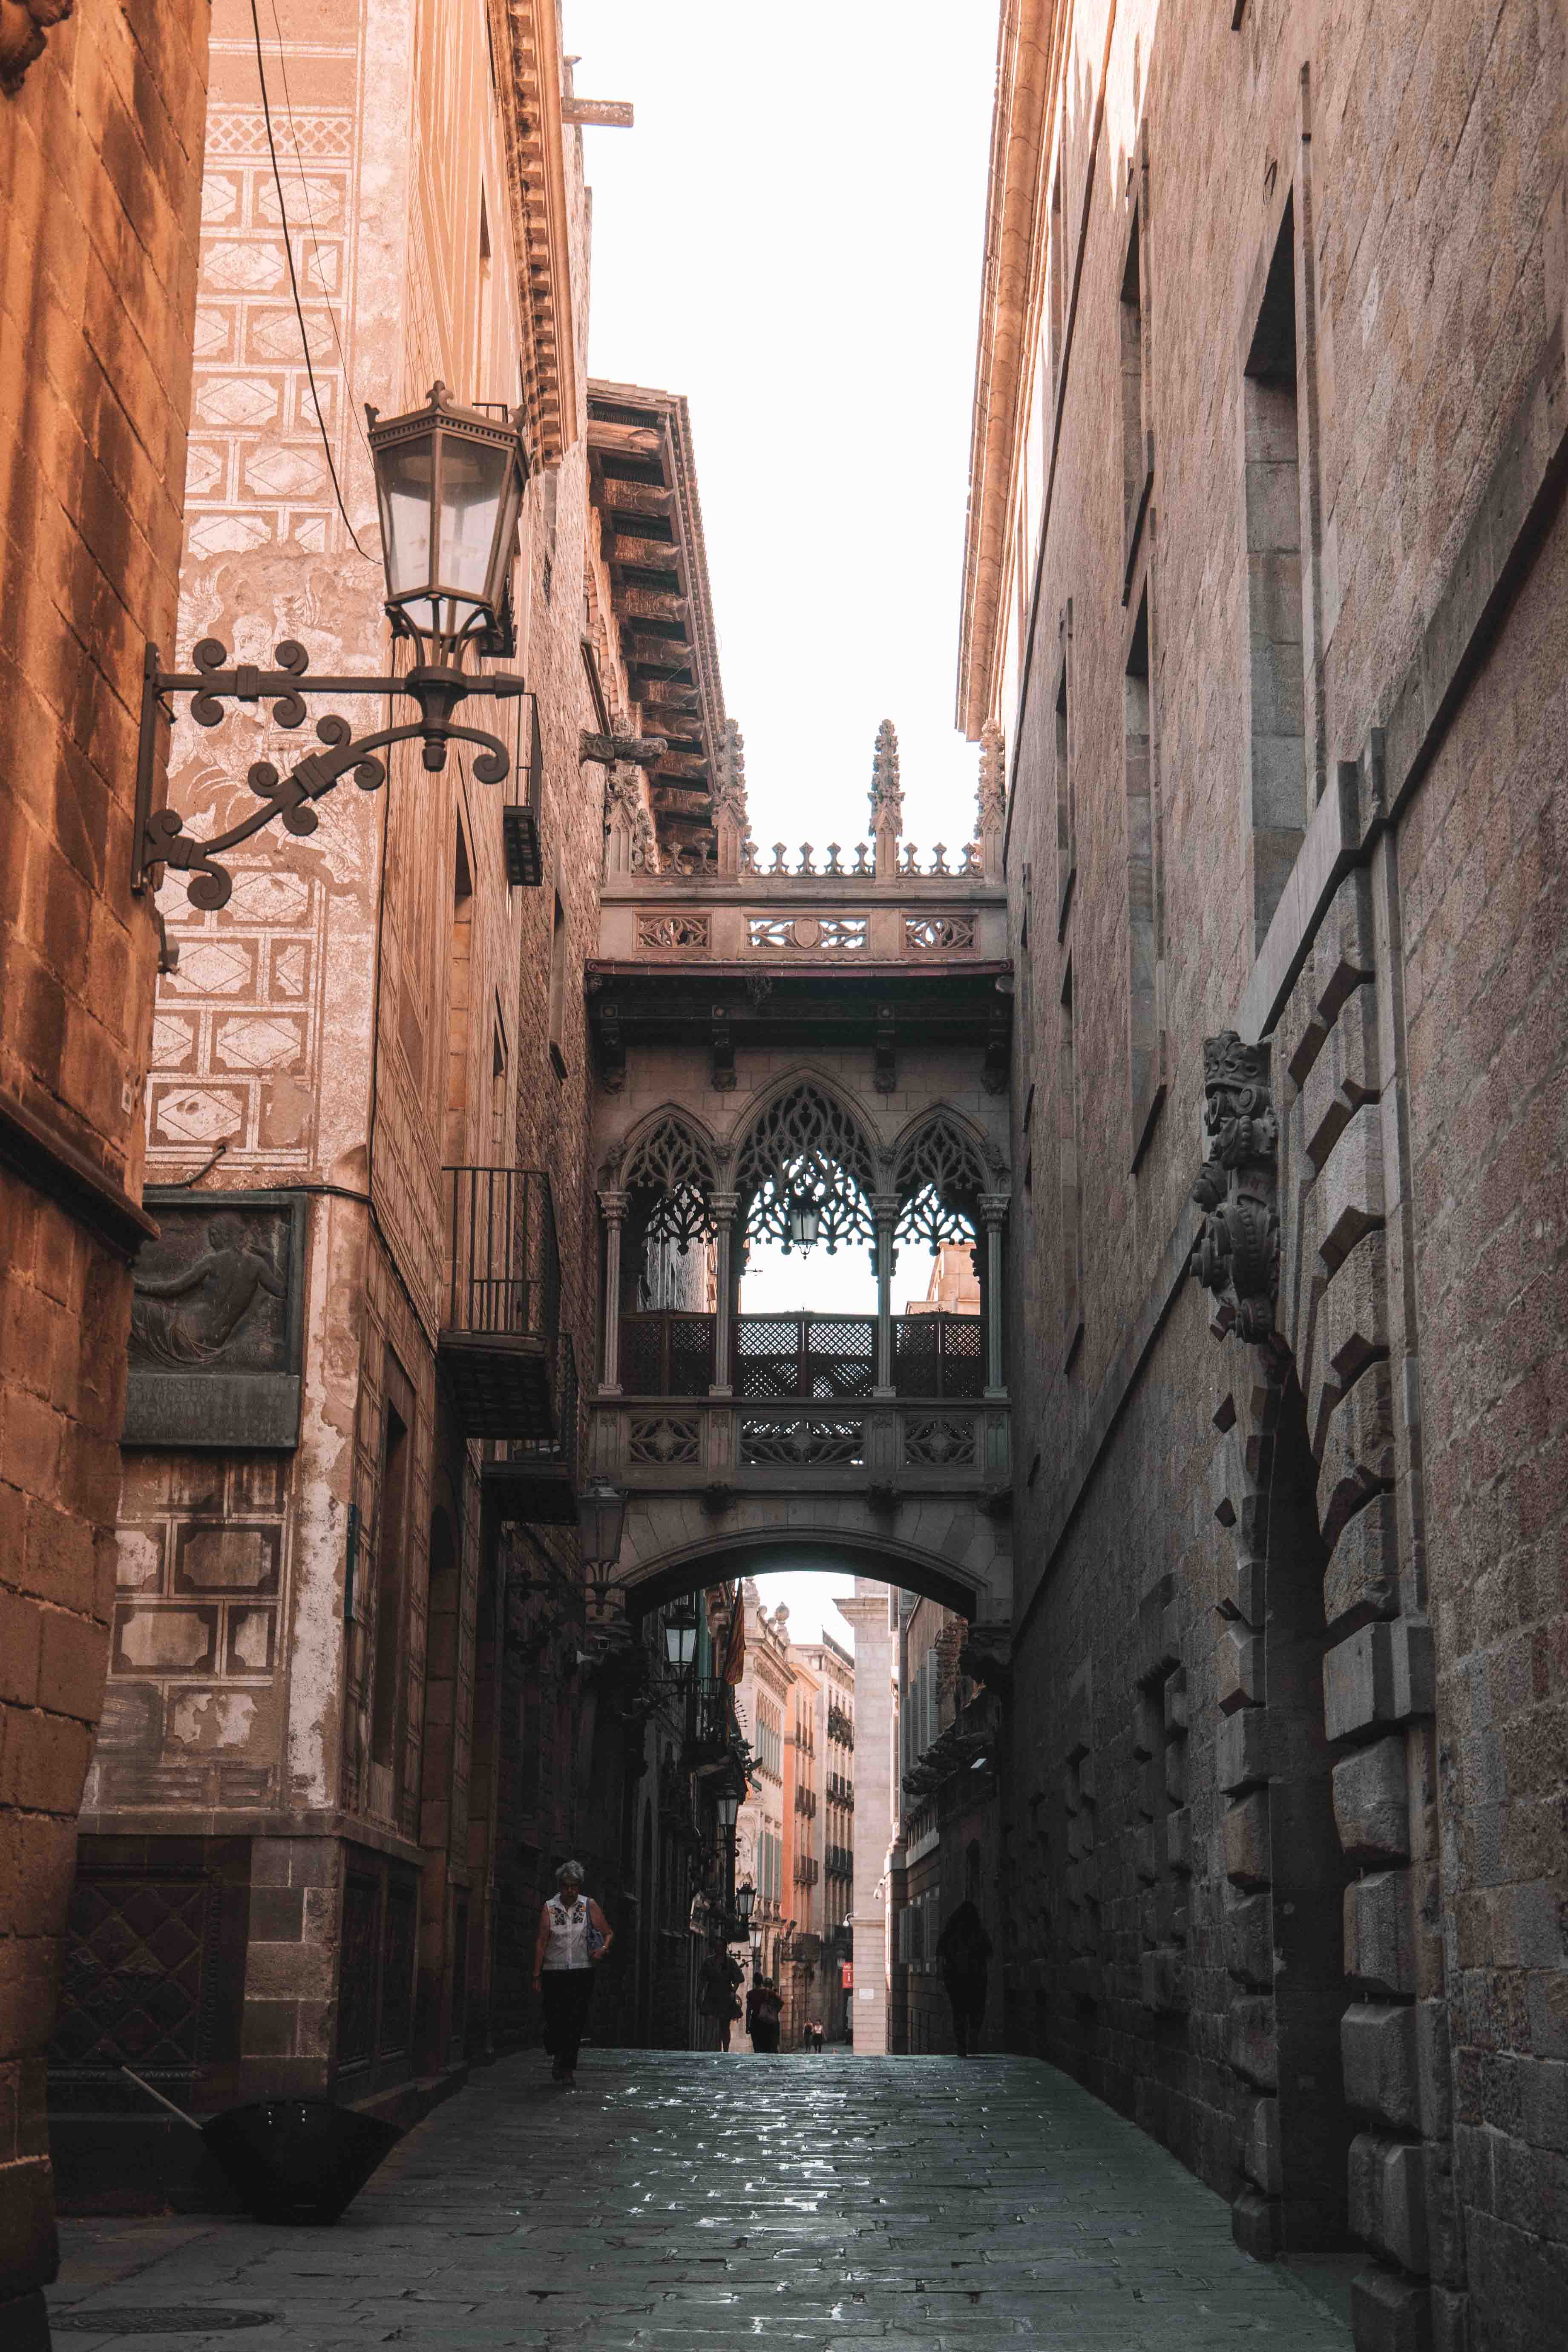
(693, 2201)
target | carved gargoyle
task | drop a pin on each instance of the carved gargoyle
(1236, 1256)
(23, 26)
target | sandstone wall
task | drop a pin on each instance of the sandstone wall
(1234, 1571)
(101, 143)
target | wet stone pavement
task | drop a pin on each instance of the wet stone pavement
(695, 2202)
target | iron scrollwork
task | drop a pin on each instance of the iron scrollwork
(161, 838)
(1236, 1256)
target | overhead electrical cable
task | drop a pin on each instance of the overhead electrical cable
(294, 284)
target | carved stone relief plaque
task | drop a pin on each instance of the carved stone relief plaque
(215, 1319)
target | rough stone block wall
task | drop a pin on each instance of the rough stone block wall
(1482, 851)
(1416, 160)
(99, 159)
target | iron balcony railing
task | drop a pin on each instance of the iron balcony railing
(497, 1341)
(788, 1358)
(840, 1862)
(502, 1256)
(534, 1479)
(712, 1728)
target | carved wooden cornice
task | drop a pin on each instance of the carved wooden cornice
(1028, 65)
(527, 51)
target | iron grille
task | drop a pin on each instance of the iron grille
(504, 1262)
(712, 1716)
(668, 1354)
(817, 1358)
(939, 1355)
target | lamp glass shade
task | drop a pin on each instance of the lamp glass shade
(805, 1221)
(681, 1641)
(601, 1523)
(450, 484)
(745, 1899)
(728, 1806)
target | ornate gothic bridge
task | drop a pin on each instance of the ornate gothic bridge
(821, 1049)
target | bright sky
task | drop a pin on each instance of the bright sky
(810, 1598)
(792, 236)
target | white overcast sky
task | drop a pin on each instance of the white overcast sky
(793, 236)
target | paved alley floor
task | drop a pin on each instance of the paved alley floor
(695, 2202)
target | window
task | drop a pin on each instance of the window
(1274, 584)
(498, 1092)
(458, 1007)
(1137, 423)
(1071, 1177)
(1059, 270)
(392, 1507)
(1066, 810)
(1146, 946)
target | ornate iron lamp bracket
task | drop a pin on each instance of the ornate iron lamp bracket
(160, 837)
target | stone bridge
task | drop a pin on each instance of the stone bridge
(816, 1052)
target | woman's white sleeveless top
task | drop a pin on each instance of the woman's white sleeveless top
(568, 1933)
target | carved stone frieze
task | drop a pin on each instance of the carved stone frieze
(1236, 1256)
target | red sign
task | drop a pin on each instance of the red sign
(846, 1975)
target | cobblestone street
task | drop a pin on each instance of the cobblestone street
(694, 2201)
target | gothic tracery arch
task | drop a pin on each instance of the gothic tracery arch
(806, 1145)
(670, 1171)
(939, 1175)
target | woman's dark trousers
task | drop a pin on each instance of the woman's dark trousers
(565, 1993)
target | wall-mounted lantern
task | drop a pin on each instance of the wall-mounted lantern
(805, 1221)
(681, 1641)
(601, 1528)
(449, 485)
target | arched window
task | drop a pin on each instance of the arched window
(938, 1180)
(670, 1176)
(806, 1148)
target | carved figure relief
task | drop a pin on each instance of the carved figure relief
(212, 1287)
(1238, 1252)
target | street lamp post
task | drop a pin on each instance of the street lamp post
(449, 485)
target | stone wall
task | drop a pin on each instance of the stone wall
(101, 143)
(1287, 762)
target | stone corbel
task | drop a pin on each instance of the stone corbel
(25, 26)
(986, 1657)
(1237, 1257)
(721, 1044)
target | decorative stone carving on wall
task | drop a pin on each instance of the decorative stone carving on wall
(215, 1318)
(1238, 1252)
(940, 1443)
(886, 790)
(665, 1440)
(829, 934)
(797, 1441)
(665, 931)
(24, 28)
(938, 934)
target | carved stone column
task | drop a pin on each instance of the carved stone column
(884, 1211)
(613, 1208)
(724, 1206)
(993, 1214)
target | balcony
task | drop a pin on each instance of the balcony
(533, 1480)
(496, 1345)
(783, 1358)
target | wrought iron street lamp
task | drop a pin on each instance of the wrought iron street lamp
(805, 1221)
(745, 1903)
(601, 1526)
(681, 1641)
(729, 1807)
(450, 484)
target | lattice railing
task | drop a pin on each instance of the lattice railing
(939, 1356)
(671, 1354)
(814, 1357)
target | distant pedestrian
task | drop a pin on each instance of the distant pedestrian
(813, 2036)
(963, 1949)
(574, 1937)
(764, 2010)
(717, 1992)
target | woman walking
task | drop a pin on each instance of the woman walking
(574, 1937)
(764, 2010)
(963, 1949)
